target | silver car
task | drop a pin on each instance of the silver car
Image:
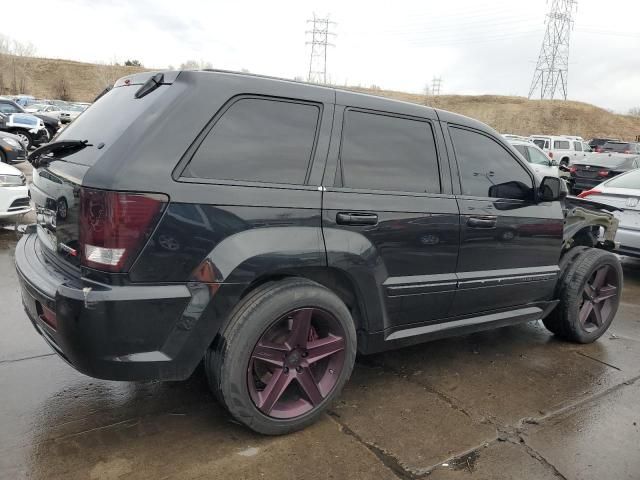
(623, 192)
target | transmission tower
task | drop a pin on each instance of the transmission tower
(552, 68)
(436, 84)
(320, 35)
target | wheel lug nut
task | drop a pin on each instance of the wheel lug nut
(298, 369)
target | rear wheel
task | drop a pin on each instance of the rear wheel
(589, 297)
(284, 356)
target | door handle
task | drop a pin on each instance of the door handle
(482, 221)
(356, 218)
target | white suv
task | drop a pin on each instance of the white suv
(564, 150)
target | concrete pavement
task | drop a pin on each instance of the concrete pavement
(509, 403)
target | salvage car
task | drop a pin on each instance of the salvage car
(11, 148)
(586, 174)
(51, 124)
(322, 223)
(622, 192)
(14, 195)
(29, 129)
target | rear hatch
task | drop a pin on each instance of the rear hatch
(58, 189)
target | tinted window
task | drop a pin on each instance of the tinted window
(537, 157)
(539, 142)
(577, 146)
(487, 169)
(561, 144)
(628, 180)
(258, 140)
(617, 147)
(388, 153)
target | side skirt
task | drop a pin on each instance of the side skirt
(388, 340)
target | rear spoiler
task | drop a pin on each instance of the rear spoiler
(141, 78)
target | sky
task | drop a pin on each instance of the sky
(475, 47)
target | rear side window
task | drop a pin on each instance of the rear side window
(539, 142)
(487, 169)
(561, 144)
(382, 152)
(258, 140)
(524, 151)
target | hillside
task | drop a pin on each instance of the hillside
(45, 78)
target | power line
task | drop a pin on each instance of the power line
(552, 67)
(436, 84)
(319, 42)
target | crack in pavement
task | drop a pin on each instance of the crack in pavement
(598, 360)
(14, 360)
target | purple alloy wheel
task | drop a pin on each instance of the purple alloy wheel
(296, 363)
(598, 299)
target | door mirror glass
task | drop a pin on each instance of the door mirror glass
(552, 189)
(513, 190)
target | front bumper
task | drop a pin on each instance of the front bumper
(14, 202)
(128, 332)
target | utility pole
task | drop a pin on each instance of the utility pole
(436, 84)
(552, 69)
(319, 42)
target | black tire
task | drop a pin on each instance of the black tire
(564, 320)
(26, 138)
(226, 363)
(62, 208)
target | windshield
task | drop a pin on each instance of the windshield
(627, 180)
(537, 157)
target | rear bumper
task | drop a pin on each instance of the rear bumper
(585, 183)
(133, 332)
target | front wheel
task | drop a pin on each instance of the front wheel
(25, 138)
(284, 356)
(589, 297)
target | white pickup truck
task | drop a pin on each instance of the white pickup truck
(564, 150)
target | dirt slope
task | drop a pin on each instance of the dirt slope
(506, 114)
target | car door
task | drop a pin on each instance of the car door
(509, 244)
(389, 218)
(577, 151)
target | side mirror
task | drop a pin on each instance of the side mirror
(552, 189)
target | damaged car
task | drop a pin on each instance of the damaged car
(284, 227)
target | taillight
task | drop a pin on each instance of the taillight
(599, 149)
(627, 151)
(114, 226)
(586, 193)
(573, 169)
(603, 173)
(550, 154)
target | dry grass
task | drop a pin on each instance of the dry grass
(505, 114)
(526, 117)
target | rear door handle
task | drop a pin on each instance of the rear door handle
(356, 218)
(482, 221)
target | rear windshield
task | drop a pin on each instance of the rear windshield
(561, 144)
(106, 121)
(616, 147)
(539, 142)
(628, 180)
(598, 141)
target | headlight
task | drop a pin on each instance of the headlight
(12, 142)
(12, 180)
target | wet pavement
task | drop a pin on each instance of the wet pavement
(509, 403)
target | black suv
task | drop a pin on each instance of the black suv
(272, 229)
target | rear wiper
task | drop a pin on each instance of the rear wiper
(61, 148)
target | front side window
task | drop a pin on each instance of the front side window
(381, 152)
(539, 142)
(524, 151)
(561, 144)
(487, 169)
(258, 140)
